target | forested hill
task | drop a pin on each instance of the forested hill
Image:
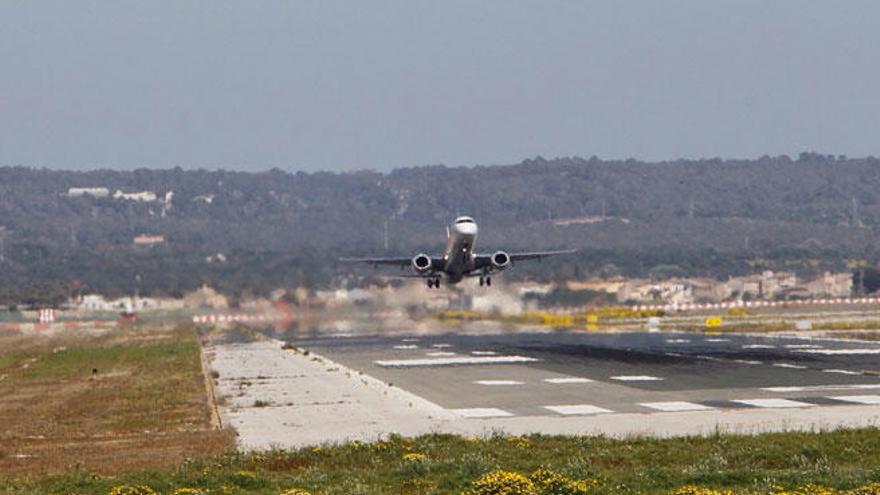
(701, 217)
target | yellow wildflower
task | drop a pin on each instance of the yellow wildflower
(869, 489)
(698, 490)
(500, 482)
(188, 491)
(131, 490)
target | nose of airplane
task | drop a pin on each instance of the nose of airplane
(469, 228)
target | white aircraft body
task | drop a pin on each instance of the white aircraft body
(459, 259)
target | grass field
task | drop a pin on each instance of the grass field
(145, 407)
(436, 464)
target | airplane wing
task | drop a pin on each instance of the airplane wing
(436, 263)
(379, 261)
(485, 260)
(537, 255)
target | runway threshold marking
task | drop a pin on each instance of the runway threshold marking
(636, 378)
(498, 382)
(441, 346)
(859, 399)
(406, 347)
(824, 388)
(714, 340)
(578, 409)
(773, 403)
(759, 346)
(484, 353)
(568, 379)
(790, 366)
(675, 406)
(842, 372)
(837, 352)
(454, 361)
(482, 412)
(440, 354)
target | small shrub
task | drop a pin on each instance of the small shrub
(131, 490)
(188, 491)
(551, 483)
(869, 489)
(295, 491)
(698, 490)
(500, 482)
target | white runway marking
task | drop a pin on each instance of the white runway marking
(452, 361)
(636, 378)
(578, 409)
(717, 340)
(802, 346)
(482, 412)
(409, 340)
(484, 353)
(441, 346)
(789, 365)
(822, 388)
(843, 372)
(570, 379)
(859, 399)
(832, 352)
(404, 347)
(498, 382)
(746, 361)
(759, 346)
(440, 354)
(677, 341)
(675, 406)
(673, 354)
(773, 403)
(707, 358)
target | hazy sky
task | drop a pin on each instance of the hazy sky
(347, 85)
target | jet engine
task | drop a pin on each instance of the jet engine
(421, 262)
(500, 260)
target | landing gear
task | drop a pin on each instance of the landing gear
(434, 282)
(485, 280)
(489, 281)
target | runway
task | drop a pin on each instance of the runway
(584, 374)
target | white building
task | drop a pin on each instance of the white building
(144, 196)
(98, 192)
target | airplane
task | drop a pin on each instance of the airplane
(459, 259)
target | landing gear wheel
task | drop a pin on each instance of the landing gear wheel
(430, 283)
(482, 281)
(488, 281)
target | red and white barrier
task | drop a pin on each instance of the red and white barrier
(220, 318)
(755, 304)
(47, 316)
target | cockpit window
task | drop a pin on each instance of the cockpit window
(464, 220)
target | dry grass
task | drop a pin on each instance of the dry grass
(145, 408)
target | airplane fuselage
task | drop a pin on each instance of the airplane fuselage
(458, 256)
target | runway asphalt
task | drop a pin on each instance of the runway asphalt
(583, 373)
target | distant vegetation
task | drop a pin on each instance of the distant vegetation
(702, 217)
